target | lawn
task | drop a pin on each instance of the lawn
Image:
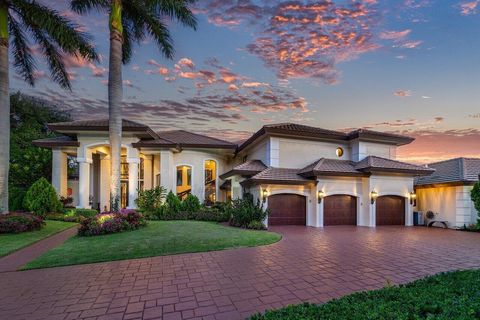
(454, 295)
(156, 239)
(15, 241)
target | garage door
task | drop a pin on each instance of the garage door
(339, 210)
(390, 210)
(287, 209)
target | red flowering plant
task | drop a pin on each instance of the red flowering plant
(17, 222)
(111, 222)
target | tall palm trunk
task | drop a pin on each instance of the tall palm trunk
(4, 109)
(115, 101)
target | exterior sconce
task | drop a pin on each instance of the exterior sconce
(264, 195)
(320, 196)
(413, 198)
(373, 196)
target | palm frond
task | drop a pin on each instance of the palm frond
(53, 56)
(175, 9)
(127, 41)
(145, 21)
(84, 6)
(64, 33)
(22, 56)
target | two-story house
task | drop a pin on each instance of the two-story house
(303, 175)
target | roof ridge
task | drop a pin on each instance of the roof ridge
(198, 134)
(462, 168)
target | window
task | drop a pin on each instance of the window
(339, 152)
(184, 181)
(210, 181)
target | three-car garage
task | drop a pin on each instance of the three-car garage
(340, 209)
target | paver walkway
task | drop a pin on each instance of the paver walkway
(307, 265)
(18, 259)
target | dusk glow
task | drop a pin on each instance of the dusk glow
(408, 66)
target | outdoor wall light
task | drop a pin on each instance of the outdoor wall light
(413, 199)
(321, 195)
(373, 196)
(264, 195)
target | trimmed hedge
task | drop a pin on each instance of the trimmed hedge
(72, 215)
(453, 295)
(20, 222)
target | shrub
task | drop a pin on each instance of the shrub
(475, 195)
(173, 203)
(191, 204)
(66, 201)
(42, 198)
(244, 211)
(256, 225)
(149, 201)
(15, 198)
(106, 223)
(20, 222)
(72, 215)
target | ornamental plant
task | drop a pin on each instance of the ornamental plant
(247, 213)
(111, 222)
(20, 222)
(475, 195)
(149, 201)
(41, 198)
(191, 204)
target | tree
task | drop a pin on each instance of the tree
(28, 119)
(20, 22)
(475, 195)
(131, 20)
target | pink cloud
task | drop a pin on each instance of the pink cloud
(468, 8)
(402, 93)
(394, 35)
(186, 63)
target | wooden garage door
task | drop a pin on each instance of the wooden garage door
(287, 209)
(390, 210)
(339, 210)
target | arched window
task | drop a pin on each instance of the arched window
(210, 167)
(184, 181)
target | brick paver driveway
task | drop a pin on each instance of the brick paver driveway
(307, 265)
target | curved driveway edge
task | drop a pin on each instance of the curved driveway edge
(309, 264)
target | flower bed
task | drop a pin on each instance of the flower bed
(72, 215)
(106, 223)
(20, 222)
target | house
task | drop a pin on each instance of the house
(304, 175)
(447, 191)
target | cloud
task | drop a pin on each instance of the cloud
(468, 8)
(411, 44)
(185, 63)
(402, 93)
(394, 35)
(298, 39)
(474, 116)
(426, 97)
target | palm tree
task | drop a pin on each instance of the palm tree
(22, 21)
(131, 21)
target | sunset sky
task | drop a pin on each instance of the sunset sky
(406, 66)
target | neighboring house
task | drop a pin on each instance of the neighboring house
(304, 175)
(447, 191)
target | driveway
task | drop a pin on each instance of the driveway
(309, 264)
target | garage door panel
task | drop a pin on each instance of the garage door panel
(339, 210)
(390, 210)
(287, 209)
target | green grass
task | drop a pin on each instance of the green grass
(454, 295)
(156, 239)
(14, 241)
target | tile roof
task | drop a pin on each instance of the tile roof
(374, 163)
(95, 124)
(60, 141)
(278, 175)
(182, 138)
(249, 167)
(330, 166)
(459, 170)
(298, 130)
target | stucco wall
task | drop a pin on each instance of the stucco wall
(453, 204)
(295, 153)
(363, 149)
(439, 200)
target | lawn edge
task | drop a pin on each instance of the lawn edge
(32, 243)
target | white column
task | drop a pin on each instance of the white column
(84, 183)
(59, 172)
(132, 181)
(148, 172)
(167, 171)
(105, 183)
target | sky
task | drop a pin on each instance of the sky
(406, 66)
